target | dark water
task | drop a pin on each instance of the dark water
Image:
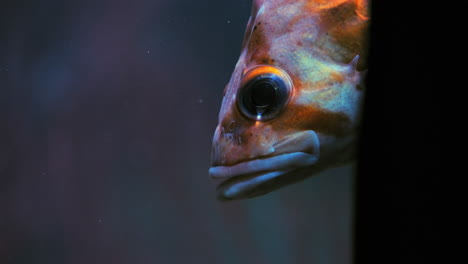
(107, 110)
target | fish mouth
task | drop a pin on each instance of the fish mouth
(265, 174)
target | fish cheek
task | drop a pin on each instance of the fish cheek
(301, 118)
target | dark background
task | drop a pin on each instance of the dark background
(107, 110)
(399, 179)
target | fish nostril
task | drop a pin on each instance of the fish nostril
(231, 126)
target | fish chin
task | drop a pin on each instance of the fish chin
(257, 177)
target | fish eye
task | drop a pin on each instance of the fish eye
(263, 93)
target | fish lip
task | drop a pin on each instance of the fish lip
(246, 186)
(293, 150)
(274, 163)
(243, 180)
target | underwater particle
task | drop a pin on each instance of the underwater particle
(228, 21)
(200, 101)
(148, 51)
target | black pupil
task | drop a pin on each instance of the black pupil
(263, 97)
(264, 94)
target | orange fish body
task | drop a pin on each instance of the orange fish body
(292, 106)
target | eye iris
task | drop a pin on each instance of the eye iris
(263, 96)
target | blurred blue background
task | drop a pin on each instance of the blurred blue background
(107, 110)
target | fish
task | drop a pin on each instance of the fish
(292, 106)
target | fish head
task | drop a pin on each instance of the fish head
(291, 107)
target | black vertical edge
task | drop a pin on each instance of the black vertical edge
(399, 166)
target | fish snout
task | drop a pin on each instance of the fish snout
(291, 159)
(234, 144)
(227, 152)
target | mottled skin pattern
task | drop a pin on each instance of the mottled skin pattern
(322, 46)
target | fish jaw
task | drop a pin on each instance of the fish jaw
(260, 175)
